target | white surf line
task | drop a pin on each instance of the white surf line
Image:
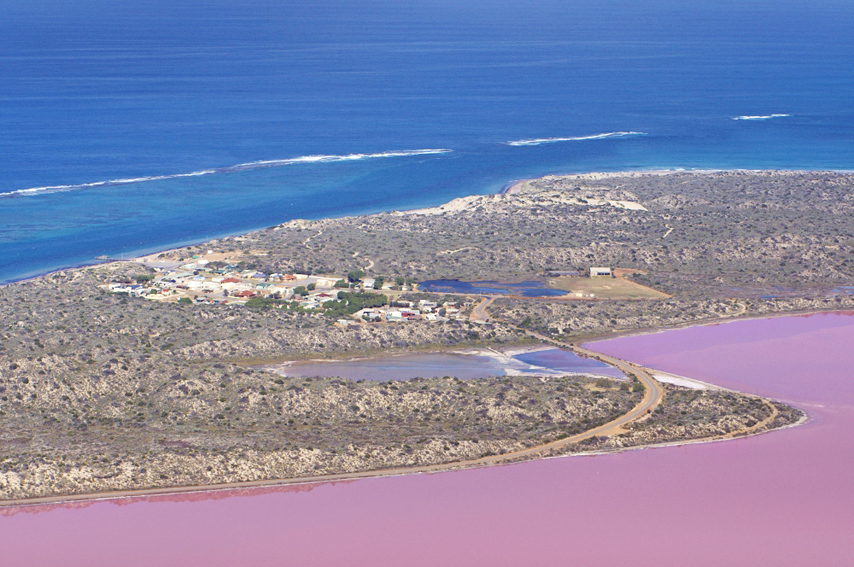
(228, 169)
(761, 117)
(538, 141)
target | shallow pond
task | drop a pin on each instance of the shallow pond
(461, 365)
(525, 289)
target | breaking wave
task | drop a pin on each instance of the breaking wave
(538, 141)
(763, 117)
(229, 169)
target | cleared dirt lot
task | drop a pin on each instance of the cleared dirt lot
(617, 287)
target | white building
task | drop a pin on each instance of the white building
(600, 272)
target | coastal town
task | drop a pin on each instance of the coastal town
(358, 298)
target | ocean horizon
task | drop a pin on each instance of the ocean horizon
(131, 129)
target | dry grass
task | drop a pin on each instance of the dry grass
(617, 287)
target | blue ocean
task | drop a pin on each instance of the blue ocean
(128, 127)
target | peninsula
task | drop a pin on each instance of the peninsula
(152, 374)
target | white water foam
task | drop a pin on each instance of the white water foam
(229, 169)
(763, 117)
(538, 141)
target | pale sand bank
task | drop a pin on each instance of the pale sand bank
(677, 380)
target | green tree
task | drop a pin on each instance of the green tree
(349, 303)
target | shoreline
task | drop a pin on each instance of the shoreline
(525, 455)
(129, 496)
(509, 188)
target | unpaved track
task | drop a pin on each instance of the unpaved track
(479, 312)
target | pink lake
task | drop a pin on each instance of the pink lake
(780, 499)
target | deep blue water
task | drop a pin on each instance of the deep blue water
(525, 289)
(97, 90)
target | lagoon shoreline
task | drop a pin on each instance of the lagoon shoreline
(22, 505)
(8, 507)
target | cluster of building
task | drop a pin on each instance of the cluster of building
(423, 310)
(199, 282)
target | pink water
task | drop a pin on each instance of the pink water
(785, 498)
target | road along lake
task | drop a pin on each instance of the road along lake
(782, 498)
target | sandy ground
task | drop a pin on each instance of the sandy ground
(153, 260)
(677, 380)
(605, 288)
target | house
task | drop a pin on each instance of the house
(600, 272)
